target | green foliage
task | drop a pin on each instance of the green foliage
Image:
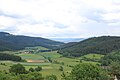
(52, 54)
(31, 56)
(7, 76)
(112, 57)
(92, 57)
(17, 69)
(48, 68)
(38, 68)
(99, 45)
(85, 71)
(4, 77)
(49, 59)
(61, 68)
(115, 69)
(31, 70)
(14, 42)
(51, 77)
(56, 62)
(2, 64)
(31, 76)
(64, 77)
(4, 56)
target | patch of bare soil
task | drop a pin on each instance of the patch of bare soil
(35, 61)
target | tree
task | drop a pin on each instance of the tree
(109, 58)
(35, 76)
(28, 76)
(31, 70)
(4, 76)
(51, 77)
(38, 68)
(64, 77)
(31, 76)
(61, 68)
(7, 76)
(115, 69)
(17, 69)
(86, 71)
(49, 59)
(100, 45)
(5, 56)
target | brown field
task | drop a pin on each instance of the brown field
(36, 61)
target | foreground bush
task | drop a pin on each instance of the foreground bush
(29, 76)
(18, 69)
(85, 71)
(51, 77)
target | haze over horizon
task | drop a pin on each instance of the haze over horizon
(60, 18)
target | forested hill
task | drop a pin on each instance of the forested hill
(16, 42)
(99, 45)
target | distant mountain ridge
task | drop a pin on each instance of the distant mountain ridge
(67, 40)
(99, 45)
(17, 42)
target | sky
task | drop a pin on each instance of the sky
(60, 18)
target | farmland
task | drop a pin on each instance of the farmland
(41, 59)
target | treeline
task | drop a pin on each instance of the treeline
(4, 56)
(111, 62)
(16, 42)
(19, 72)
(44, 50)
(98, 45)
(112, 57)
(82, 71)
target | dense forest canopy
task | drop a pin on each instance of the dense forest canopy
(99, 45)
(15, 42)
(86, 71)
(112, 57)
(4, 56)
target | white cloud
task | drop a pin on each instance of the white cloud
(6, 22)
(60, 18)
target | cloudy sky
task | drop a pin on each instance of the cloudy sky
(60, 18)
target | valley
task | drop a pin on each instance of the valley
(59, 40)
(34, 59)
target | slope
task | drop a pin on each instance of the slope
(99, 45)
(17, 42)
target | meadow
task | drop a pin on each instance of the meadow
(48, 68)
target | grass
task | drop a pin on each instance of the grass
(47, 67)
(31, 56)
(46, 72)
(93, 56)
(9, 52)
(54, 70)
(7, 65)
(52, 54)
(2, 68)
(34, 64)
(68, 61)
(36, 48)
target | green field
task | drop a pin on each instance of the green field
(47, 67)
(36, 48)
(31, 56)
(52, 54)
(93, 56)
